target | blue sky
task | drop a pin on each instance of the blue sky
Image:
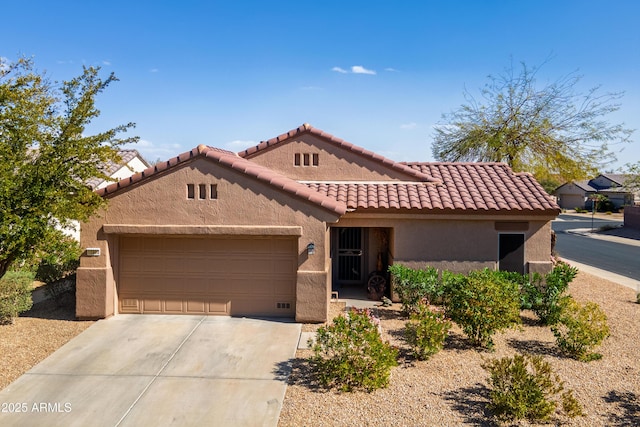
(379, 74)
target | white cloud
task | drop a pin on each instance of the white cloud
(391, 70)
(153, 70)
(106, 62)
(339, 70)
(359, 69)
(408, 126)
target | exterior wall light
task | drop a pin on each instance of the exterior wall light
(92, 251)
(311, 248)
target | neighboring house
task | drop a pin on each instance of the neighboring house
(274, 229)
(573, 195)
(131, 162)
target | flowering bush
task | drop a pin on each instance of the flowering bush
(350, 354)
(426, 331)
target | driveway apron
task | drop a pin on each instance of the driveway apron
(152, 370)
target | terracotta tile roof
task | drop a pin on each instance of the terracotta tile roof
(475, 187)
(233, 161)
(307, 128)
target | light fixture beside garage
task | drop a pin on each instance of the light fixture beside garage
(311, 248)
(92, 251)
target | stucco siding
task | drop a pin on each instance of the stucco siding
(334, 163)
(162, 201)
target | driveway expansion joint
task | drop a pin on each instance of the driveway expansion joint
(162, 368)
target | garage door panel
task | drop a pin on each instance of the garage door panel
(240, 276)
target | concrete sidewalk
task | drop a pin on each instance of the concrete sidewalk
(625, 236)
(152, 370)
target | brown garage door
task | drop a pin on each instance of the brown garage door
(226, 276)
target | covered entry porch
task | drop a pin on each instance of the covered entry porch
(360, 258)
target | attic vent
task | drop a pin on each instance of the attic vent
(306, 159)
(283, 305)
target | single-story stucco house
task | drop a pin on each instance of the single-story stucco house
(274, 229)
(577, 194)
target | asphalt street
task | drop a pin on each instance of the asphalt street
(610, 256)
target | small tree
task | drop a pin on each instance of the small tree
(46, 157)
(548, 131)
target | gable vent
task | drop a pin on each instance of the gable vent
(283, 305)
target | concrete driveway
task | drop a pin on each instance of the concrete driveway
(152, 370)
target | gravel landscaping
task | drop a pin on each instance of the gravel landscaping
(35, 335)
(451, 388)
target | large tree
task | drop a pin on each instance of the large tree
(46, 158)
(552, 131)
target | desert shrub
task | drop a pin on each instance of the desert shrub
(15, 295)
(415, 285)
(426, 331)
(580, 328)
(61, 259)
(350, 354)
(481, 303)
(545, 295)
(525, 387)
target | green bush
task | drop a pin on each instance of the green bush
(524, 387)
(545, 296)
(15, 295)
(426, 331)
(350, 354)
(580, 328)
(415, 285)
(481, 303)
(61, 259)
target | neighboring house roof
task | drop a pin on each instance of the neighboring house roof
(583, 185)
(616, 178)
(307, 128)
(111, 167)
(235, 162)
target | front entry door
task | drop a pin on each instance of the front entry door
(350, 244)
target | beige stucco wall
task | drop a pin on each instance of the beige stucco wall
(458, 243)
(243, 205)
(335, 164)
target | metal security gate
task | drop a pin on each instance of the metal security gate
(350, 249)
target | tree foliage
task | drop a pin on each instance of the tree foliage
(550, 131)
(45, 156)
